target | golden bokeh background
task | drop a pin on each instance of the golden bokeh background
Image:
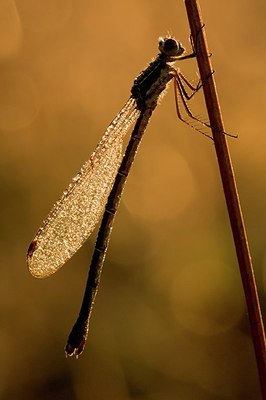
(170, 320)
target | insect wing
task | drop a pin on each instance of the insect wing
(74, 216)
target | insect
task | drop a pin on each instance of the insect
(98, 187)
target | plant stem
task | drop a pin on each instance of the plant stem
(230, 191)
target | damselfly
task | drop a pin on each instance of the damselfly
(100, 183)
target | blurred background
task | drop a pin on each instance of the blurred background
(170, 320)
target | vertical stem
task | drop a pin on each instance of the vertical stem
(230, 191)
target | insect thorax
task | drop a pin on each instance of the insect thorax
(151, 82)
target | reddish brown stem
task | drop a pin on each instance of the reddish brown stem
(230, 190)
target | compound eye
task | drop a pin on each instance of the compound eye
(170, 47)
(161, 43)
